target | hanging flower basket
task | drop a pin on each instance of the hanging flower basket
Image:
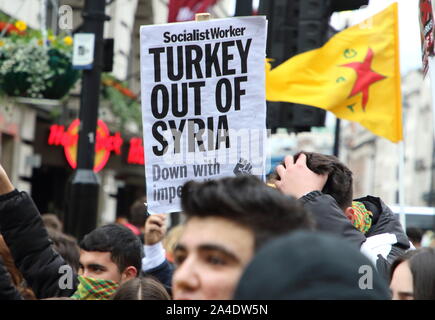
(30, 69)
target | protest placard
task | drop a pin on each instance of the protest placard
(203, 104)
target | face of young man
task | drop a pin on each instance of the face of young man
(99, 265)
(210, 257)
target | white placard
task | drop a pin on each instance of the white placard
(83, 52)
(203, 104)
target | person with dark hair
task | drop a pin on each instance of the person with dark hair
(415, 235)
(51, 220)
(111, 252)
(136, 218)
(310, 266)
(413, 275)
(109, 255)
(67, 247)
(139, 214)
(227, 221)
(324, 185)
(145, 288)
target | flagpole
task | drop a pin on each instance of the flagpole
(336, 151)
(402, 185)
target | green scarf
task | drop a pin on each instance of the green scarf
(361, 218)
(94, 289)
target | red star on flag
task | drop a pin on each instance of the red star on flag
(365, 77)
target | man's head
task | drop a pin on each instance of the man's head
(339, 182)
(309, 266)
(415, 235)
(139, 213)
(227, 221)
(111, 252)
(51, 220)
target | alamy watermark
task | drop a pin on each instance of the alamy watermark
(366, 280)
(66, 281)
(243, 148)
(65, 14)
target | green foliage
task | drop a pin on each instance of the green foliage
(30, 69)
(124, 107)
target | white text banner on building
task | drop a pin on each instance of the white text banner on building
(203, 104)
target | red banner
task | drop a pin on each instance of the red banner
(185, 10)
(427, 31)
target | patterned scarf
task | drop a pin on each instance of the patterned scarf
(361, 218)
(94, 289)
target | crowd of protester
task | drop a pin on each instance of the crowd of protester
(300, 236)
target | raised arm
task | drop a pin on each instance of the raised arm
(154, 262)
(27, 238)
(298, 180)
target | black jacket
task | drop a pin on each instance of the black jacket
(24, 233)
(384, 241)
(7, 290)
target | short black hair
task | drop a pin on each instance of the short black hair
(247, 201)
(124, 246)
(340, 182)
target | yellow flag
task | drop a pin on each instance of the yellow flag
(355, 75)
